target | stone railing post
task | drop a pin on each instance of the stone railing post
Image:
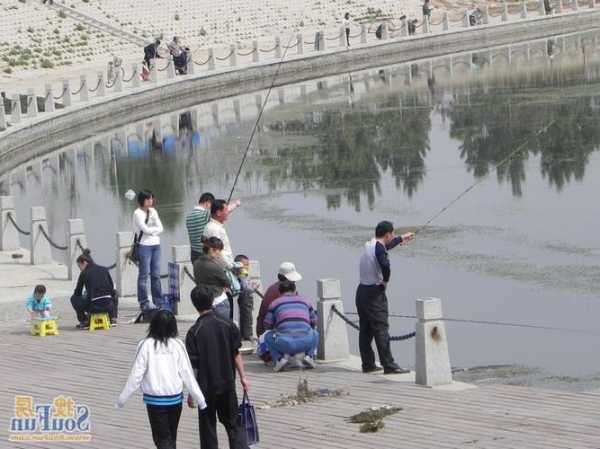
(118, 80)
(15, 110)
(3, 124)
(101, 85)
(136, 74)
(48, 99)
(255, 52)
(504, 11)
(466, 18)
(592, 4)
(9, 240)
(211, 59)
(384, 32)
(575, 5)
(40, 248)
(559, 6)
(333, 334)
(426, 26)
(255, 282)
(181, 256)
(403, 28)
(233, 57)
(523, 9)
(363, 33)
(277, 47)
(32, 106)
(126, 271)
(432, 361)
(445, 21)
(541, 8)
(343, 43)
(171, 68)
(84, 93)
(189, 66)
(322, 44)
(153, 71)
(300, 43)
(75, 233)
(486, 14)
(66, 93)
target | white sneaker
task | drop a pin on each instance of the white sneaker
(309, 362)
(281, 363)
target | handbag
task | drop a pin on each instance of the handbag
(247, 416)
(133, 253)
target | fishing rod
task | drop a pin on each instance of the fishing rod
(264, 105)
(504, 161)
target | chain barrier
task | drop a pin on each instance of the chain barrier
(201, 63)
(82, 249)
(355, 326)
(14, 223)
(354, 36)
(97, 85)
(190, 275)
(437, 23)
(456, 20)
(226, 57)
(165, 67)
(247, 54)
(61, 95)
(131, 77)
(266, 51)
(532, 7)
(333, 38)
(78, 91)
(47, 96)
(55, 245)
(109, 85)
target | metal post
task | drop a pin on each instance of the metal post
(333, 335)
(66, 92)
(32, 106)
(181, 257)
(126, 271)
(9, 240)
(75, 233)
(432, 361)
(40, 248)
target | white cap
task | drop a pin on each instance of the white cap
(288, 270)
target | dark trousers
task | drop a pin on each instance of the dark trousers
(246, 305)
(84, 307)
(194, 255)
(348, 36)
(225, 406)
(164, 420)
(372, 307)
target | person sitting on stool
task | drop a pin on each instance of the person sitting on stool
(371, 300)
(100, 297)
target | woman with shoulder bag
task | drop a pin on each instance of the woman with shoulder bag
(147, 227)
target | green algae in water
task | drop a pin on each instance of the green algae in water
(372, 419)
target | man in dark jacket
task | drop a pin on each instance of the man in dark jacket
(210, 270)
(213, 345)
(151, 52)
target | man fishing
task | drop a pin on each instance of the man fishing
(371, 300)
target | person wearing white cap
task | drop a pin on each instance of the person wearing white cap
(287, 272)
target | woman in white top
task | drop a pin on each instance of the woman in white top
(162, 367)
(147, 227)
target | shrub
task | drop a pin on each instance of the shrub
(56, 31)
(30, 29)
(176, 17)
(46, 64)
(7, 70)
(62, 14)
(79, 27)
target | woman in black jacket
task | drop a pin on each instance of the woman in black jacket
(100, 295)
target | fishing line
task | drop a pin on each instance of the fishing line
(264, 104)
(482, 179)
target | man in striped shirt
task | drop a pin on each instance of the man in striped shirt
(290, 322)
(196, 222)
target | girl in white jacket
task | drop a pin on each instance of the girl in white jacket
(162, 367)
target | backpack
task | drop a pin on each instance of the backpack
(379, 31)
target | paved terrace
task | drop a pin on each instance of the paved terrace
(92, 368)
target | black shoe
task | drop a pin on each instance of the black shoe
(395, 370)
(83, 326)
(372, 369)
(113, 322)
